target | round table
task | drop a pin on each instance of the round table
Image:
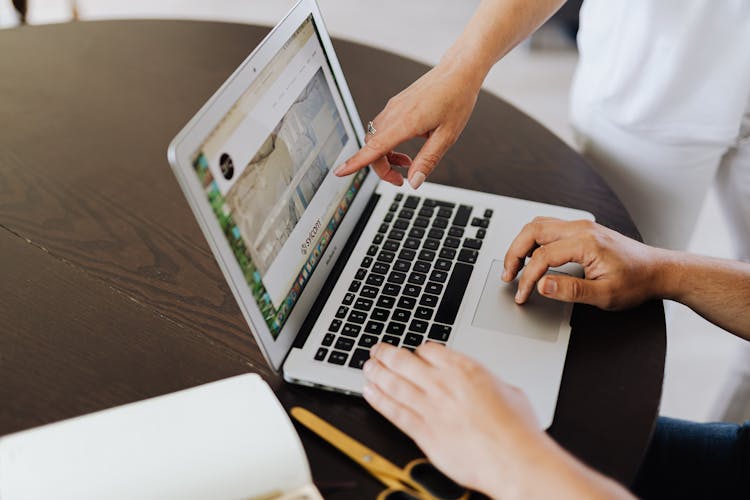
(110, 293)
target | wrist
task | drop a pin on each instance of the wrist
(668, 274)
(467, 61)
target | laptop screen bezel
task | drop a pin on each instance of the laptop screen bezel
(190, 139)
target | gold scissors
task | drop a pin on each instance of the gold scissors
(419, 480)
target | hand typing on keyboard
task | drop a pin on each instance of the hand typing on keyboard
(476, 429)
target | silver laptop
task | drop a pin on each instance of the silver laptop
(325, 267)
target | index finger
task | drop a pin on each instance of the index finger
(540, 231)
(377, 146)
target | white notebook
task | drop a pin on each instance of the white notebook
(229, 439)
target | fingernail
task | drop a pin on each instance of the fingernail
(549, 287)
(518, 296)
(338, 169)
(417, 179)
(367, 367)
(374, 350)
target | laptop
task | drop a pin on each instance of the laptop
(324, 267)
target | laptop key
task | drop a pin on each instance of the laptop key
(369, 292)
(426, 212)
(462, 216)
(468, 255)
(417, 278)
(391, 245)
(452, 242)
(421, 222)
(383, 228)
(328, 339)
(481, 233)
(412, 290)
(392, 289)
(429, 203)
(359, 358)
(321, 354)
(357, 317)
(401, 224)
(406, 213)
(456, 232)
(341, 313)
(439, 332)
(386, 256)
(407, 302)
(348, 299)
(423, 313)
(430, 244)
(439, 276)
(386, 301)
(427, 255)
(416, 232)
(421, 266)
(335, 325)
(472, 243)
(396, 277)
(413, 339)
(344, 344)
(444, 212)
(372, 250)
(354, 287)
(374, 327)
(362, 305)
(393, 207)
(411, 243)
(398, 197)
(447, 253)
(436, 233)
(442, 203)
(443, 265)
(366, 261)
(378, 239)
(375, 279)
(396, 234)
(434, 288)
(351, 330)
(379, 314)
(381, 268)
(368, 341)
(488, 213)
(337, 358)
(361, 273)
(440, 223)
(402, 266)
(407, 254)
(388, 217)
(411, 202)
(401, 315)
(454, 293)
(428, 300)
(390, 339)
(395, 328)
(418, 325)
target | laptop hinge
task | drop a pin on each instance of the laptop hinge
(336, 271)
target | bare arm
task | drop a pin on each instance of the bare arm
(621, 272)
(717, 289)
(438, 105)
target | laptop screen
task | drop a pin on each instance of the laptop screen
(267, 170)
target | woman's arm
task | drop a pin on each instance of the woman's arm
(437, 106)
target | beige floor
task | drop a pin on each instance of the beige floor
(699, 357)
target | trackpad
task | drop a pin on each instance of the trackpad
(538, 318)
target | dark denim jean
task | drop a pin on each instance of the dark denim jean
(692, 460)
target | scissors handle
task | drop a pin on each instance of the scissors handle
(384, 470)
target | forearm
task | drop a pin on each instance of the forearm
(548, 471)
(717, 289)
(495, 28)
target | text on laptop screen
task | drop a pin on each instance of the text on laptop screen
(266, 169)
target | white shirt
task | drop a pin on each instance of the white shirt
(675, 70)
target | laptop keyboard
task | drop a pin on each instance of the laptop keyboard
(409, 287)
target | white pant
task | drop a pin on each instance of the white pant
(663, 184)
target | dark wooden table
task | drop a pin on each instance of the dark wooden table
(109, 293)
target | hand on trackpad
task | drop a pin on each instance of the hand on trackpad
(539, 318)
